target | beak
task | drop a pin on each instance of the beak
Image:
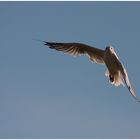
(107, 48)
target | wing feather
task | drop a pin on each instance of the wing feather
(127, 82)
(96, 55)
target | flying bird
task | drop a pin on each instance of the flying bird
(116, 72)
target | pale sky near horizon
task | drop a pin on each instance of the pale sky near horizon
(47, 94)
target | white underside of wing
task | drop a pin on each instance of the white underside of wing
(95, 59)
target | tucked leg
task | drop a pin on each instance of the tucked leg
(111, 78)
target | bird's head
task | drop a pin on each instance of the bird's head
(110, 49)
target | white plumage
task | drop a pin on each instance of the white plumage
(116, 72)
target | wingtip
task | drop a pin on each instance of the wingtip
(40, 40)
(45, 42)
(137, 99)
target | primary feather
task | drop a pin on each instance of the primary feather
(77, 49)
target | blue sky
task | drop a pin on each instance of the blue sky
(47, 94)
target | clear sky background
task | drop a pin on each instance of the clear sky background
(47, 94)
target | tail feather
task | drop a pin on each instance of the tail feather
(115, 79)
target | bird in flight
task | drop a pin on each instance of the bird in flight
(116, 72)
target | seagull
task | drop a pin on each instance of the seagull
(116, 72)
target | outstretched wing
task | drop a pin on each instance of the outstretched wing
(127, 82)
(77, 49)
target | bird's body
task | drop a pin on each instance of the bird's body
(113, 66)
(116, 72)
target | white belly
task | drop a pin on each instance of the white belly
(112, 63)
